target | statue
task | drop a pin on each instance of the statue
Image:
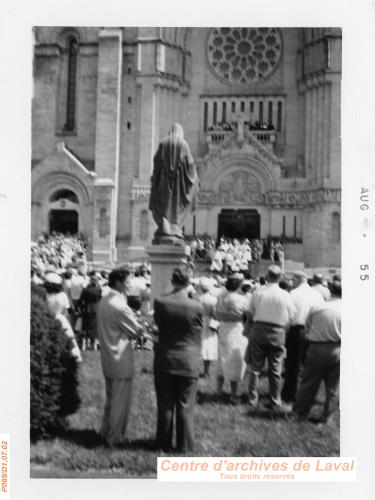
(174, 186)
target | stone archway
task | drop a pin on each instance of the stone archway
(56, 197)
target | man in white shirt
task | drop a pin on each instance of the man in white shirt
(319, 284)
(323, 328)
(304, 298)
(271, 309)
(117, 325)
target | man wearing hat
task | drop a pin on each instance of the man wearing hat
(272, 309)
(177, 362)
(318, 285)
(304, 298)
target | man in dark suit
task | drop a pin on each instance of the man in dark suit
(177, 363)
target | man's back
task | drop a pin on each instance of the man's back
(180, 322)
(116, 323)
(271, 304)
(324, 322)
(304, 298)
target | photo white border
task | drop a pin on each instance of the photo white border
(357, 19)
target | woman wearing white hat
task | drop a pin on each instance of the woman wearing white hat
(58, 304)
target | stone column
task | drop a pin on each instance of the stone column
(314, 113)
(327, 120)
(107, 144)
(163, 258)
(320, 133)
(335, 138)
(308, 130)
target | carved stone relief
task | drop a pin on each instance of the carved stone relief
(239, 187)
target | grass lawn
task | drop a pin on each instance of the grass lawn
(221, 430)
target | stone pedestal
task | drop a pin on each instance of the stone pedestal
(163, 258)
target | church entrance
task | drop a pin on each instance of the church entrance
(63, 221)
(63, 212)
(242, 223)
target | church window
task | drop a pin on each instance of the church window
(233, 107)
(129, 100)
(205, 117)
(270, 113)
(284, 226)
(295, 227)
(336, 227)
(129, 70)
(224, 112)
(64, 194)
(261, 112)
(70, 122)
(215, 114)
(128, 125)
(279, 115)
(244, 55)
(242, 107)
(251, 106)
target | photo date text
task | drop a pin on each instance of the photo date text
(365, 199)
(364, 276)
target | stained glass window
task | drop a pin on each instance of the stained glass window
(244, 55)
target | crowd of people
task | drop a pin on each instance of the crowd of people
(241, 324)
(233, 255)
(73, 290)
(292, 324)
(225, 126)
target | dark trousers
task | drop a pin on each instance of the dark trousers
(322, 363)
(175, 394)
(266, 342)
(295, 353)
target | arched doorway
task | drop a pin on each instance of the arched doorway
(64, 212)
(241, 223)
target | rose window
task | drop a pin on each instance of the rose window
(244, 55)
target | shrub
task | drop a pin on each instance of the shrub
(53, 372)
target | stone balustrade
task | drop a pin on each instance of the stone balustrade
(264, 136)
(216, 137)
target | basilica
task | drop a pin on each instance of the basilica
(260, 109)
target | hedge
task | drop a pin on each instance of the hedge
(53, 372)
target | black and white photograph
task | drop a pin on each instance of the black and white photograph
(185, 256)
(183, 192)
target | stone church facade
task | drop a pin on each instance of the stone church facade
(104, 97)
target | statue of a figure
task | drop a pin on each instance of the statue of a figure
(174, 185)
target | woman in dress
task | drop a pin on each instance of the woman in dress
(230, 311)
(210, 325)
(88, 305)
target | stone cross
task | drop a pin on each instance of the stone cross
(240, 126)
